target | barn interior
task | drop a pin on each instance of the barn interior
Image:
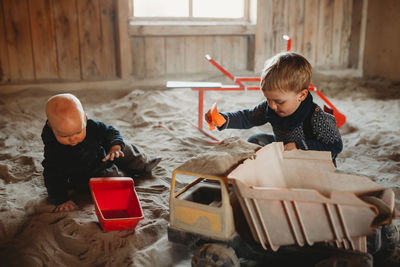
(117, 59)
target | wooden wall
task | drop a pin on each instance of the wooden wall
(320, 30)
(57, 40)
(165, 55)
(382, 44)
(86, 40)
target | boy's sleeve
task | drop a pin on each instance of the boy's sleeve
(327, 135)
(109, 135)
(247, 118)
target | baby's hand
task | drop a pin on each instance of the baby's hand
(115, 152)
(290, 146)
(66, 206)
(208, 117)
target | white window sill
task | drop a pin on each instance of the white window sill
(185, 28)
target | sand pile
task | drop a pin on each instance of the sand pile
(160, 122)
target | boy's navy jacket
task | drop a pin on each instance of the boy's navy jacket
(309, 126)
(65, 164)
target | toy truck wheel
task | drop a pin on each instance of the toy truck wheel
(383, 240)
(215, 255)
(356, 260)
(390, 238)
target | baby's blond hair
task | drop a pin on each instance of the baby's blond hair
(286, 71)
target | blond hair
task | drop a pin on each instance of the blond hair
(286, 71)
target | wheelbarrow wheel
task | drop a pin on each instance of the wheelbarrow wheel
(215, 255)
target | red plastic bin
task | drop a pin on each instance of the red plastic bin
(116, 203)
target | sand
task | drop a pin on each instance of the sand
(161, 122)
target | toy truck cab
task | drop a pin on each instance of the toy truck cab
(201, 208)
(201, 216)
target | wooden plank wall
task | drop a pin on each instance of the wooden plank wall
(81, 40)
(167, 55)
(382, 42)
(57, 40)
(320, 30)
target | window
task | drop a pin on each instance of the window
(191, 10)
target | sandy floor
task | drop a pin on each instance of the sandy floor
(160, 121)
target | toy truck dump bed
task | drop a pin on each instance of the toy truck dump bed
(298, 197)
(238, 201)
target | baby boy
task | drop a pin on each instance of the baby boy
(77, 148)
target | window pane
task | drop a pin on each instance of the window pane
(161, 8)
(218, 8)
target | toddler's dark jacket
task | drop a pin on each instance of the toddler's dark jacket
(309, 126)
(65, 165)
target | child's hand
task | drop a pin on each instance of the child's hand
(66, 206)
(115, 152)
(214, 118)
(290, 146)
(208, 117)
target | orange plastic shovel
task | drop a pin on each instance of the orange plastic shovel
(216, 118)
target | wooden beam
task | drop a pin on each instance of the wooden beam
(90, 39)
(174, 55)
(295, 22)
(67, 40)
(138, 57)
(154, 56)
(124, 58)
(43, 39)
(109, 38)
(19, 42)
(325, 33)
(136, 29)
(263, 33)
(363, 30)
(4, 62)
(310, 33)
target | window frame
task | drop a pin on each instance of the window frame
(172, 26)
(191, 19)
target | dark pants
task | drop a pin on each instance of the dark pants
(132, 164)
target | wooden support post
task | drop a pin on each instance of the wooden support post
(201, 99)
(124, 60)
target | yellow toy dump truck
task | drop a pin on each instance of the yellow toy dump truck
(275, 206)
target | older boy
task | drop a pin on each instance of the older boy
(296, 120)
(77, 148)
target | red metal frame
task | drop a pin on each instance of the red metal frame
(201, 98)
(241, 86)
(289, 42)
(237, 80)
(340, 118)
